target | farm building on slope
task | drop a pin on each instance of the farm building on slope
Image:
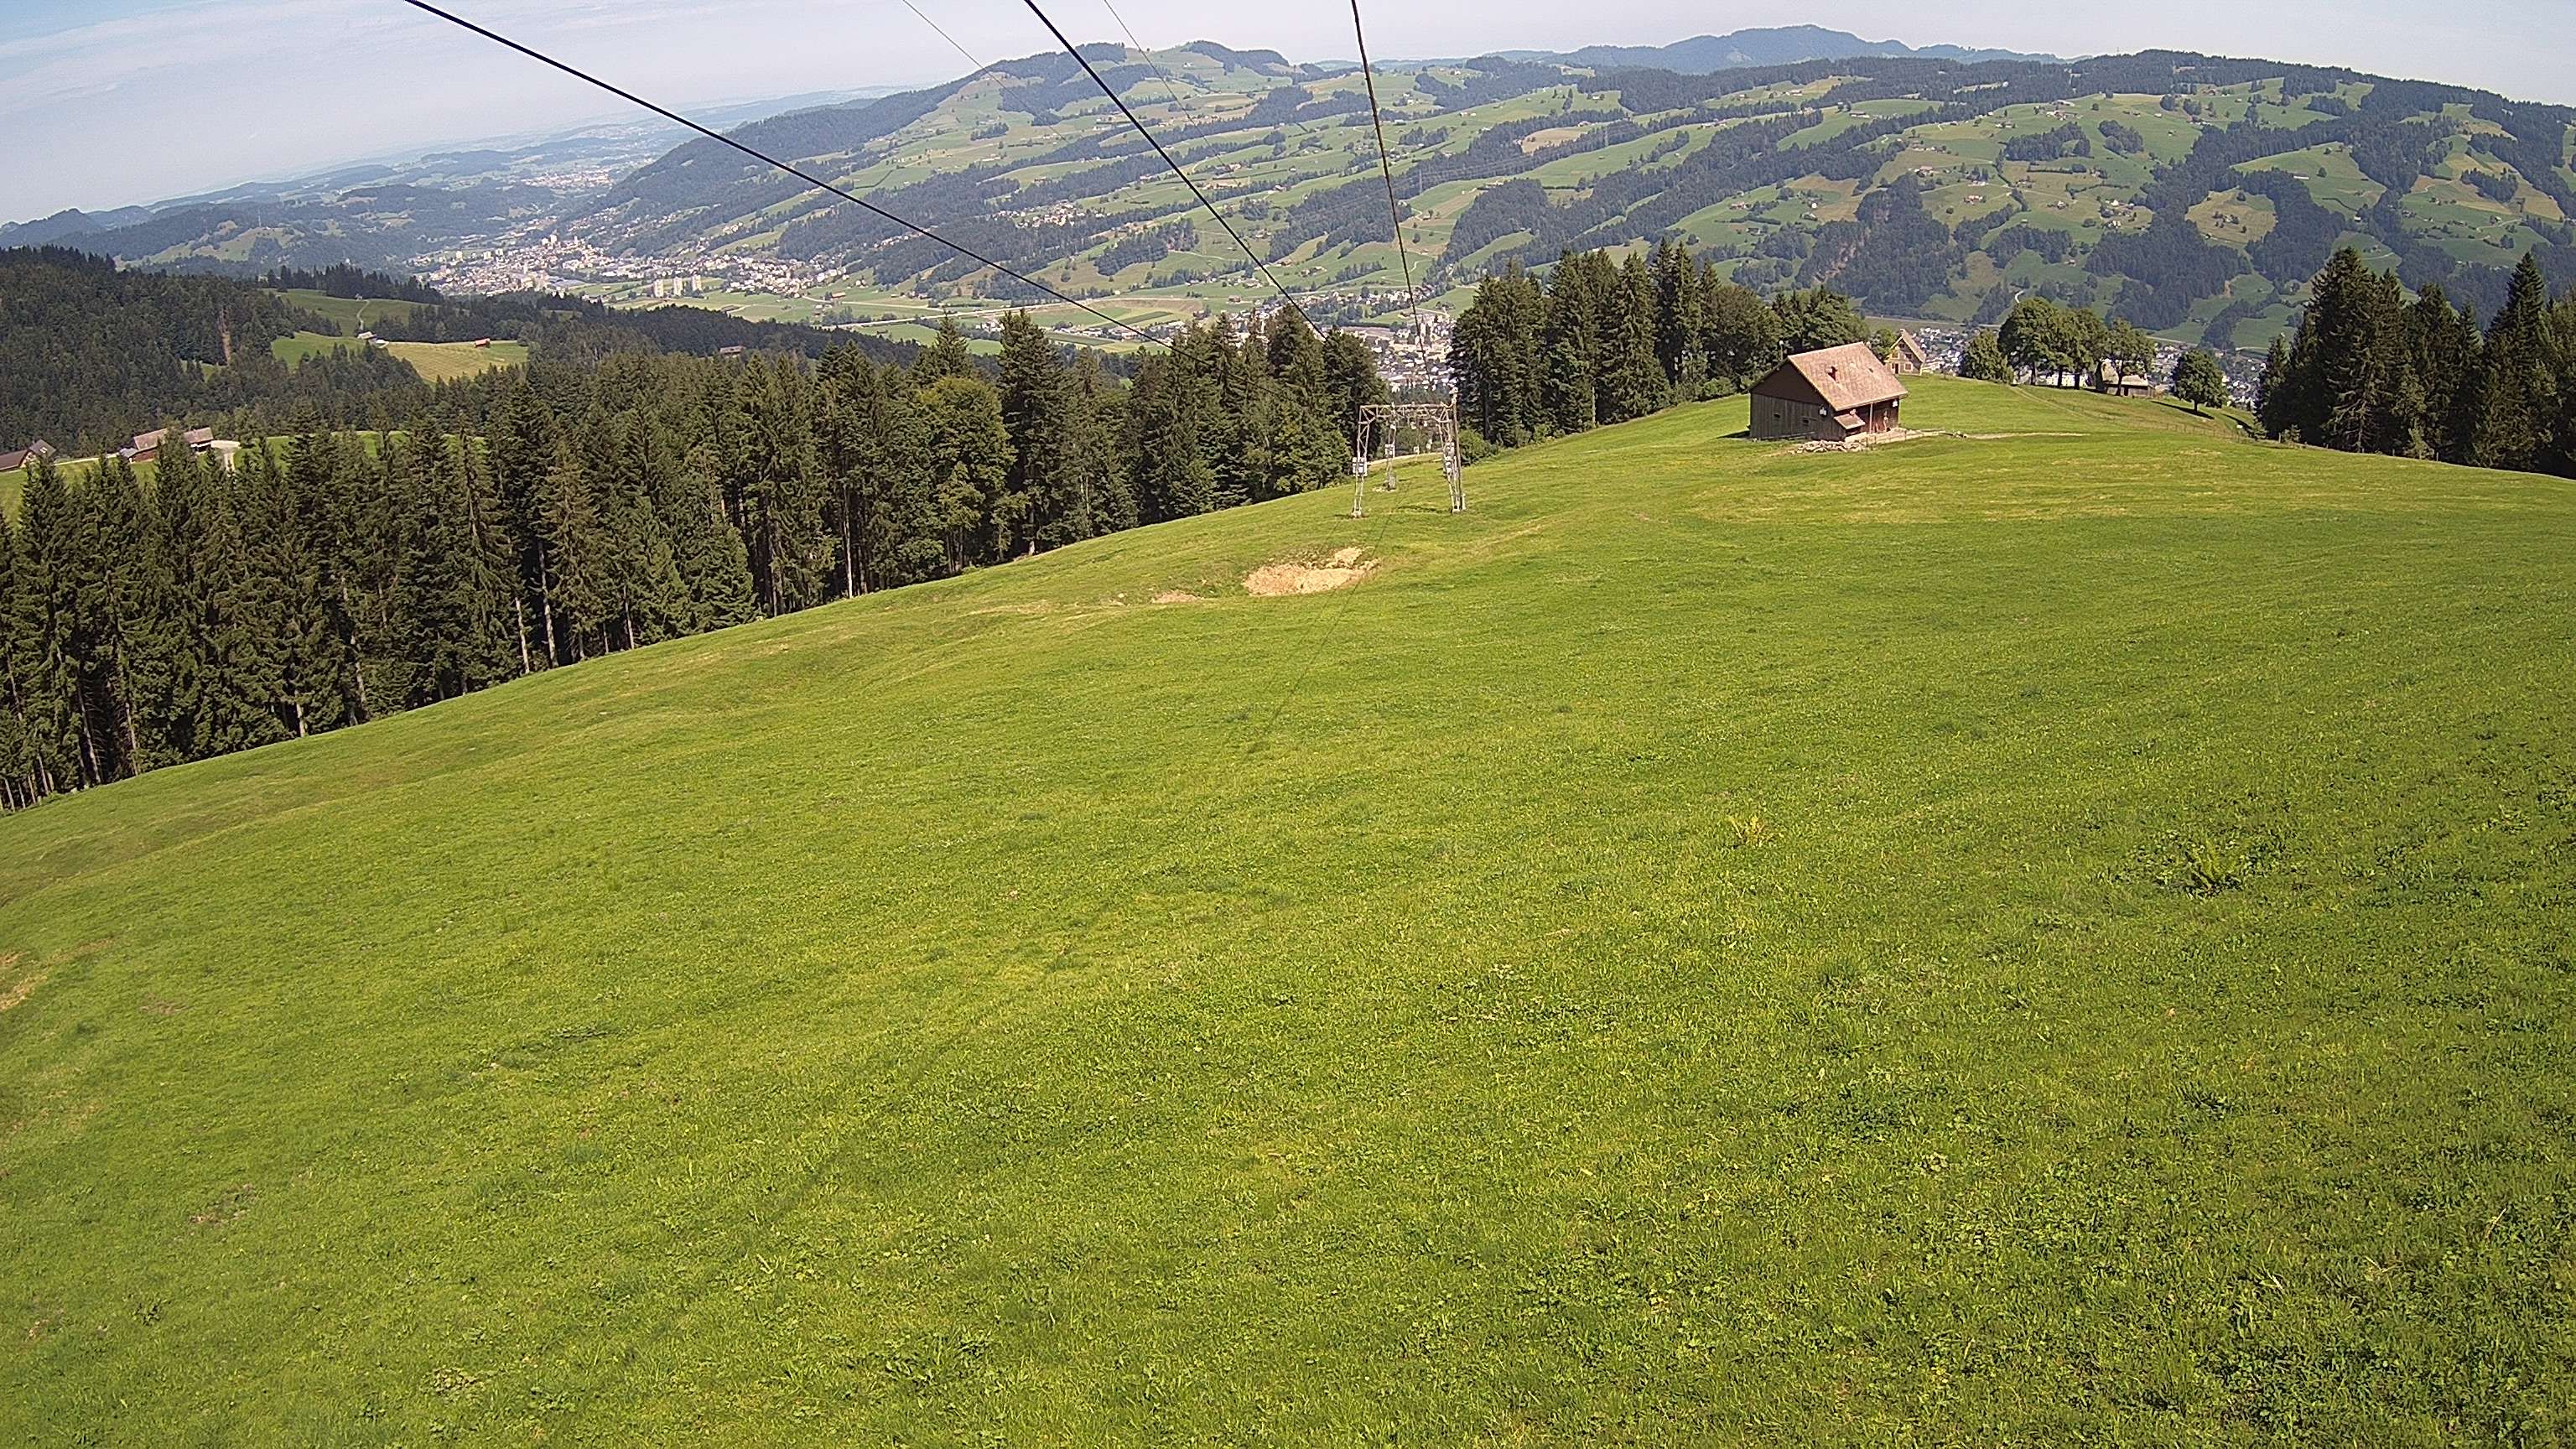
(1827, 397)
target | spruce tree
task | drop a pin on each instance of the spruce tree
(521, 454)
(2516, 386)
(27, 771)
(59, 632)
(577, 584)
(1038, 495)
(1351, 379)
(946, 356)
(1571, 339)
(427, 625)
(1105, 500)
(291, 661)
(2272, 394)
(1678, 318)
(150, 669)
(843, 452)
(1633, 382)
(781, 500)
(329, 484)
(714, 565)
(970, 462)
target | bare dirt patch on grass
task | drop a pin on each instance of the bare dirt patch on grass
(1179, 596)
(1862, 442)
(1278, 580)
(13, 987)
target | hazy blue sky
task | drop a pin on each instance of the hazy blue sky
(112, 102)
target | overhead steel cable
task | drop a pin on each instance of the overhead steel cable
(1115, 99)
(1171, 86)
(1386, 167)
(790, 168)
(944, 35)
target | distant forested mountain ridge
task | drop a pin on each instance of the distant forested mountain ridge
(2189, 194)
(2192, 195)
(1780, 45)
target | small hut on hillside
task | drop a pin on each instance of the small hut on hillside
(1912, 357)
(1830, 396)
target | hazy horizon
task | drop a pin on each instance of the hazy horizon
(110, 102)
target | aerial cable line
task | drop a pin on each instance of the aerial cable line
(1169, 85)
(1386, 167)
(944, 35)
(790, 168)
(1106, 89)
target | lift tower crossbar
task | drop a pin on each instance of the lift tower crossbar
(1432, 427)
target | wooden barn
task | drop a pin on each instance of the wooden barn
(1827, 397)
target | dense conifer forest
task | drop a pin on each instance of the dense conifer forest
(531, 519)
(1604, 340)
(2372, 369)
(93, 349)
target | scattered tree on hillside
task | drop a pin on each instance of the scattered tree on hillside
(2199, 381)
(1984, 359)
(1817, 319)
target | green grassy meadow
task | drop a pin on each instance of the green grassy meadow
(434, 361)
(2061, 935)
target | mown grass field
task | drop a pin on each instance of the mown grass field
(2049, 937)
(434, 361)
(448, 361)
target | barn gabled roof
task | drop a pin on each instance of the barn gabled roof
(1845, 377)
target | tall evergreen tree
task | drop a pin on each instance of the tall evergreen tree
(970, 463)
(946, 356)
(1577, 299)
(1741, 336)
(1040, 497)
(69, 716)
(1351, 379)
(1633, 382)
(151, 670)
(2517, 390)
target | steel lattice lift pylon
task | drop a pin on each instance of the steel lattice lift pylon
(1381, 423)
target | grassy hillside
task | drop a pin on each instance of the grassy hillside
(434, 361)
(447, 361)
(2055, 935)
(2195, 196)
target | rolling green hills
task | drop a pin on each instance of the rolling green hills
(2190, 194)
(2059, 933)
